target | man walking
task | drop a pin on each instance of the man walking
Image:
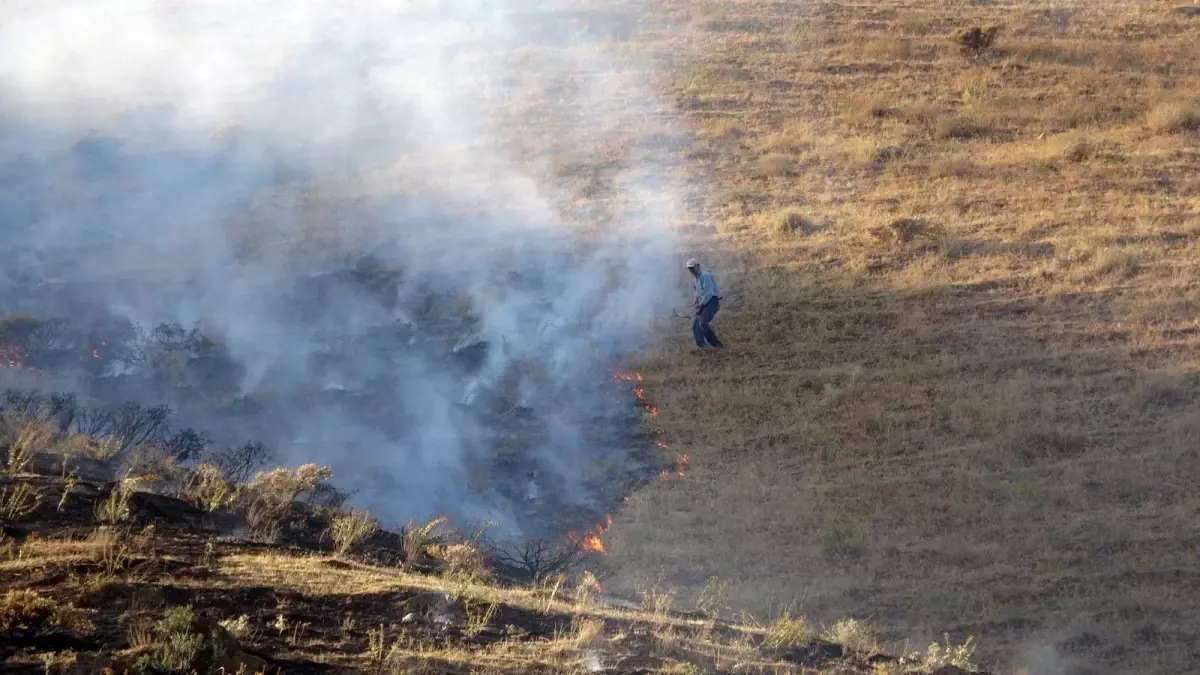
(706, 305)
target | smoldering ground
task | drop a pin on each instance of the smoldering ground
(362, 212)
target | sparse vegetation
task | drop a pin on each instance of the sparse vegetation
(920, 411)
(1175, 116)
(179, 646)
(115, 508)
(27, 612)
(788, 631)
(418, 541)
(351, 527)
(955, 396)
(207, 487)
(269, 498)
(32, 437)
(19, 500)
(976, 41)
(462, 559)
(854, 636)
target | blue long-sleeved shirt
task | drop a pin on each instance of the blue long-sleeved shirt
(706, 287)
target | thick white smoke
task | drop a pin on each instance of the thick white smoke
(193, 162)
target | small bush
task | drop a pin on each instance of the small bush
(854, 636)
(462, 560)
(351, 527)
(791, 221)
(115, 508)
(176, 646)
(976, 41)
(269, 497)
(419, 541)
(1078, 150)
(18, 501)
(179, 643)
(587, 631)
(26, 611)
(948, 654)
(713, 599)
(540, 560)
(657, 600)
(787, 631)
(586, 589)
(903, 230)
(207, 488)
(1174, 117)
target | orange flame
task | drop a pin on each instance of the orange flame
(590, 540)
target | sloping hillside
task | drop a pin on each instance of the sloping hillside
(960, 386)
(183, 572)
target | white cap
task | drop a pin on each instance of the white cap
(692, 263)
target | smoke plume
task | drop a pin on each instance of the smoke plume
(415, 237)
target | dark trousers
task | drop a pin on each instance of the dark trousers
(701, 330)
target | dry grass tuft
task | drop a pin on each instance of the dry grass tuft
(28, 612)
(792, 221)
(776, 165)
(788, 631)
(206, 487)
(19, 500)
(269, 497)
(32, 437)
(1172, 117)
(903, 231)
(419, 541)
(961, 127)
(976, 41)
(349, 528)
(854, 636)
(462, 560)
(115, 508)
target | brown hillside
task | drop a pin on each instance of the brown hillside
(961, 384)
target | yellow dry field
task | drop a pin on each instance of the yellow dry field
(961, 389)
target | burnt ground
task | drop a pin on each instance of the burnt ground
(293, 606)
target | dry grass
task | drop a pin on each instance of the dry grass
(32, 437)
(28, 611)
(1175, 116)
(986, 429)
(351, 527)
